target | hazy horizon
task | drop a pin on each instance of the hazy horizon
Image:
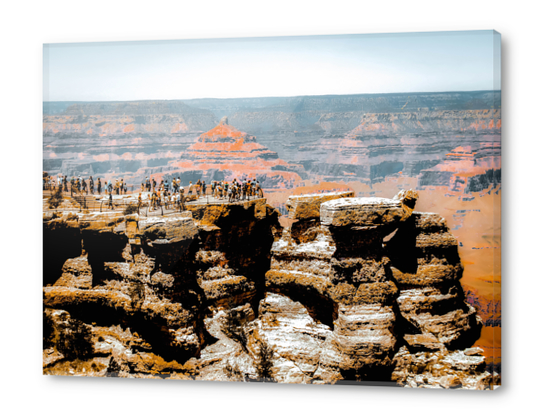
(243, 68)
(292, 96)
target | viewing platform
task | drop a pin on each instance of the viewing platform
(91, 203)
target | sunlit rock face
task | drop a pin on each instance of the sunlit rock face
(227, 153)
(336, 265)
(356, 289)
(128, 140)
(344, 273)
(157, 278)
(408, 143)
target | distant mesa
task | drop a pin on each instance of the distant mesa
(407, 142)
(467, 169)
(236, 154)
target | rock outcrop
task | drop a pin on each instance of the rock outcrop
(157, 277)
(375, 296)
(342, 270)
(355, 289)
(337, 137)
(431, 299)
(224, 152)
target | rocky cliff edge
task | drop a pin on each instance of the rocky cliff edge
(356, 290)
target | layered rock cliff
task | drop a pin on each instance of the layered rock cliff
(335, 137)
(154, 278)
(359, 290)
(224, 152)
(407, 143)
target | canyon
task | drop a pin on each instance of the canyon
(445, 146)
(357, 290)
(370, 136)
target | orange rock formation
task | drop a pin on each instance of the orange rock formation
(356, 289)
(237, 155)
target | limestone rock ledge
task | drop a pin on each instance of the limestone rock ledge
(161, 278)
(431, 300)
(380, 276)
(340, 273)
(304, 207)
(355, 289)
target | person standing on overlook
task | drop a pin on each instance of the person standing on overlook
(153, 200)
(181, 199)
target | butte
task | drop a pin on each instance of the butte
(225, 153)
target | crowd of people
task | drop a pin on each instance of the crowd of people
(233, 191)
(236, 190)
(167, 199)
(169, 194)
(80, 185)
(173, 194)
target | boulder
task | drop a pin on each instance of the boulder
(302, 207)
(76, 273)
(362, 212)
(168, 229)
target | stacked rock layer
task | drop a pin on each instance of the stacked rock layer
(354, 290)
(158, 279)
(383, 278)
(225, 152)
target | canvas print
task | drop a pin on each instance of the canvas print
(310, 210)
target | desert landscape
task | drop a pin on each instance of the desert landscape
(373, 256)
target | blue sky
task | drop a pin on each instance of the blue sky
(277, 66)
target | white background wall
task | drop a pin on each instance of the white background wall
(25, 26)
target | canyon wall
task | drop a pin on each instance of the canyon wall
(446, 146)
(370, 136)
(356, 290)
